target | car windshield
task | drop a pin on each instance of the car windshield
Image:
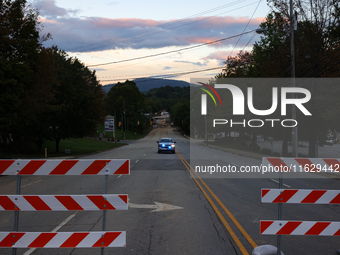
(165, 141)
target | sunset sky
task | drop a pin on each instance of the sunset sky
(104, 31)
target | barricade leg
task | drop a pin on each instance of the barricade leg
(16, 213)
(104, 211)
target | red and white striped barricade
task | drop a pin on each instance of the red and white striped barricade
(104, 202)
(302, 228)
(65, 167)
(303, 165)
(300, 196)
(62, 239)
(63, 202)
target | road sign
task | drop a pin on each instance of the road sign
(109, 125)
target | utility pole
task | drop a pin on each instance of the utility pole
(292, 58)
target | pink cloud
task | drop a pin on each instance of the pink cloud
(96, 34)
(220, 55)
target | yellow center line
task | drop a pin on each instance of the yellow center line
(230, 215)
(225, 223)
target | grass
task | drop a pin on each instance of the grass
(76, 146)
(128, 135)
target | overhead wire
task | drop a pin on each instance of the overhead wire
(188, 48)
(202, 70)
(172, 51)
(161, 26)
(245, 27)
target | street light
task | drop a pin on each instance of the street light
(292, 59)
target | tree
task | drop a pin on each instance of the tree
(238, 66)
(40, 97)
(19, 45)
(316, 55)
(180, 114)
(78, 103)
(126, 102)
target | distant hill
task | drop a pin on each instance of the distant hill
(145, 84)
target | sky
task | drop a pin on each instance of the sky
(150, 38)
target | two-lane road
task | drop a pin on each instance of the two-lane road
(207, 216)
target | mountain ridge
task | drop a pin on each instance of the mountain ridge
(145, 84)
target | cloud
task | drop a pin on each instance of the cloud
(113, 3)
(97, 34)
(194, 63)
(167, 67)
(98, 69)
(48, 8)
(219, 55)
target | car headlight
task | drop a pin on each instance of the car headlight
(172, 145)
(163, 145)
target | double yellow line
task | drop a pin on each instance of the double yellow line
(195, 177)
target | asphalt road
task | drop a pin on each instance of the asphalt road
(211, 215)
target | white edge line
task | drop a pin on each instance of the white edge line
(279, 182)
(54, 230)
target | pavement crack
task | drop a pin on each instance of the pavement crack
(150, 236)
(96, 222)
(218, 234)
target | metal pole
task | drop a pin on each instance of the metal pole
(16, 213)
(104, 211)
(280, 212)
(292, 58)
(206, 129)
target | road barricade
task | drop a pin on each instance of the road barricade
(300, 196)
(89, 202)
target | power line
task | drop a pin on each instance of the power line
(173, 51)
(169, 75)
(245, 27)
(167, 24)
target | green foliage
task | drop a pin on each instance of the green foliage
(164, 98)
(78, 99)
(180, 114)
(19, 44)
(75, 145)
(126, 102)
(317, 54)
(45, 95)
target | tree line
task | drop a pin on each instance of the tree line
(48, 95)
(317, 55)
(45, 94)
(129, 105)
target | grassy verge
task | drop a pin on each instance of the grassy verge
(76, 147)
(128, 135)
